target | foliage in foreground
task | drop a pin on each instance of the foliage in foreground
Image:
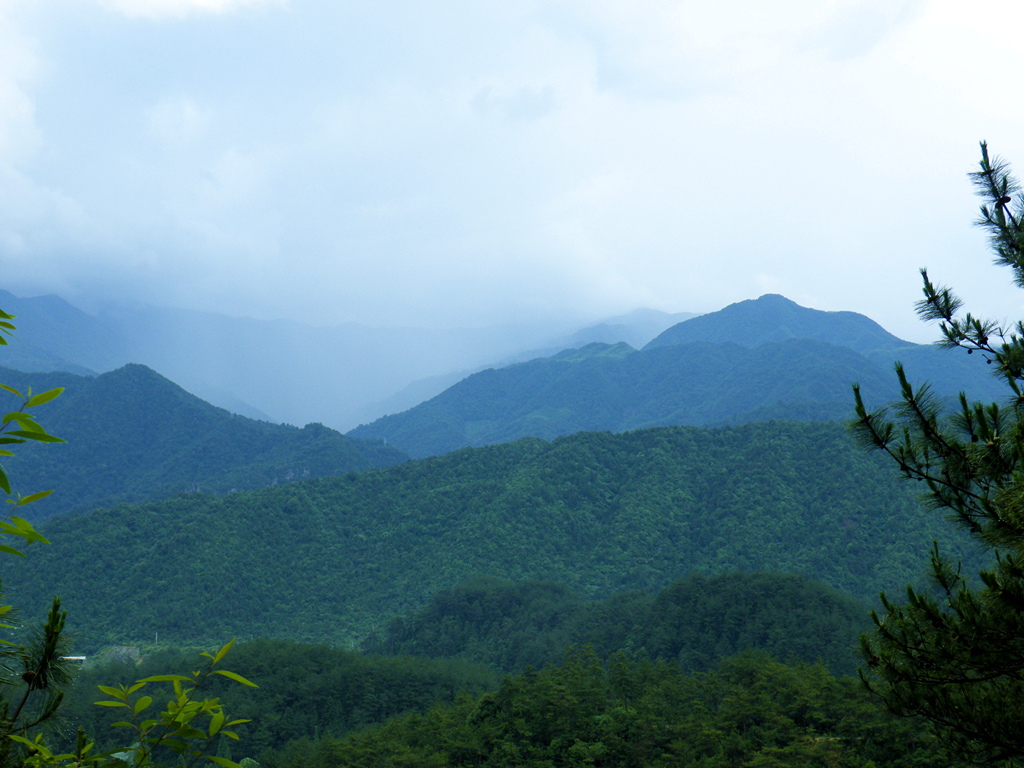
(36, 674)
(305, 691)
(955, 653)
(185, 730)
(751, 711)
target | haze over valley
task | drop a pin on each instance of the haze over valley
(505, 384)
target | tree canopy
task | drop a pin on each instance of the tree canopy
(955, 652)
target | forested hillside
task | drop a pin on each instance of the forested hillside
(332, 559)
(695, 621)
(751, 711)
(716, 374)
(133, 435)
(319, 706)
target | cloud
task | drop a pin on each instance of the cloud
(19, 71)
(177, 119)
(855, 29)
(524, 103)
(157, 9)
(464, 161)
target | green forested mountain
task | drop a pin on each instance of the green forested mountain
(696, 621)
(751, 711)
(133, 435)
(773, 318)
(698, 383)
(333, 559)
(752, 361)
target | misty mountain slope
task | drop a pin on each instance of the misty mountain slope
(134, 435)
(635, 329)
(704, 382)
(52, 335)
(288, 371)
(773, 318)
(329, 559)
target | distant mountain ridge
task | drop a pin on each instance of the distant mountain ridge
(287, 371)
(774, 318)
(757, 360)
(133, 435)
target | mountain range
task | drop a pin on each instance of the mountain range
(757, 360)
(619, 469)
(132, 435)
(285, 371)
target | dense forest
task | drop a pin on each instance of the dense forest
(751, 711)
(339, 557)
(696, 622)
(132, 435)
(322, 707)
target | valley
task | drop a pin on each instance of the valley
(587, 513)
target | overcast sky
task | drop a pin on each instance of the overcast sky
(471, 162)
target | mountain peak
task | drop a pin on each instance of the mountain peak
(772, 317)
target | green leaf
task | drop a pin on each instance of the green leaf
(23, 419)
(20, 527)
(5, 484)
(43, 397)
(110, 704)
(142, 703)
(11, 550)
(223, 651)
(222, 761)
(39, 435)
(33, 497)
(12, 390)
(216, 723)
(117, 693)
(236, 677)
(164, 679)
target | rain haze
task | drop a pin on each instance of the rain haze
(466, 165)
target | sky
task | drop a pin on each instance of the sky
(449, 163)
